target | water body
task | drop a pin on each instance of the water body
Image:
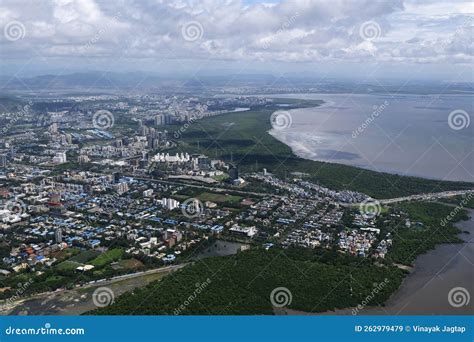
(425, 290)
(221, 248)
(403, 134)
(240, 109)
(78, 300)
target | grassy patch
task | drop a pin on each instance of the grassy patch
(221, 178)
(68, 265)
(66, 253)
(130, 263)
(219, 198)
(85, 256)
(107, 257)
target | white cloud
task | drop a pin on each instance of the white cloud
(291, 31)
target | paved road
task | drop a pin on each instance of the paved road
(431, 196)
(421, 197)
(207, 187)
(133, 275)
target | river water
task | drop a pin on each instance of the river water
(426, 289)
(221, 248)
(404, 134)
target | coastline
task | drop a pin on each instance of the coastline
(313, 135)
(425, 289)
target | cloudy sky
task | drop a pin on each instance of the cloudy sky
(340, 37)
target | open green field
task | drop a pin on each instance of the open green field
(222, 198)
(107, 257)
(130, 263)
(66, 253)
(243, 138)
(85, 256)
(68, 265)
(219, 198)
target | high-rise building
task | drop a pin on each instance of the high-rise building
(169, 119)
(59, 158)
(169, 203)
(159, 120)
(58, 235)
(143, 130)
(83, 159)
(148, 193)
(121, 188)
(233, 172)
(152, 143)
(3, 160)
(203, 162)
(53, 128)
(162, 137)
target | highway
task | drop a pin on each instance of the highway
(429, 197)
(418, 197)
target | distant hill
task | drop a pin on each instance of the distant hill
(115, 82)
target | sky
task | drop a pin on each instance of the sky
(432, 39)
